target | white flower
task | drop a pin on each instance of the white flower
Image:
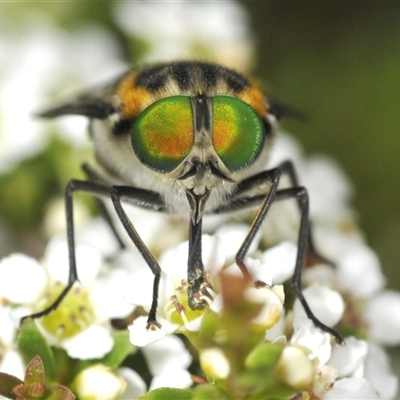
(141, 336)
(80, 324)
(349, 293)
(382, 312)
(378, 372)
(359, 271)
(349, 359)
(329, 193)
(280, 261)
(351, 388)
(272, 300)
(135, 386)
(77, 346)
(168, 360)
(99, 382)
(214, 363)
(10, 360)
(312, 338)
(295, 368)
(324, 380)
(217, 30)
(21, 278)
(45, 58)
(328, 187)
(326, 304)
(173, 308)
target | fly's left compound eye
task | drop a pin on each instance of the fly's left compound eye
(162, 135)
(238, 133)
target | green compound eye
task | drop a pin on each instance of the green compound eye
(162, 135)
(238, 133)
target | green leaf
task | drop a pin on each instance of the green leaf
(260, 374)
(65, 365)
(32, 343)
(210, 392)
(35, 372)
(121, 349)
(7, 384)
(265, 355)
(168, 394)
(58, 392)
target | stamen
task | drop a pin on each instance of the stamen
(169, 314)
(82, 324)
(60, 331)
(184, 318)
(173, 300)
(179, 308)
(209, 291)
(206, 299)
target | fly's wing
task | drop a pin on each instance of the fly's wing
(85, 105)
(281, 110)
(98, 103)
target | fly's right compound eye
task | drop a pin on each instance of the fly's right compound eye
(163, 134)
(238, 133)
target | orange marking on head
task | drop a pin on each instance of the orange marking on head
(255, 97)
(134, 98)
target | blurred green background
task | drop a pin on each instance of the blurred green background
(339, 62)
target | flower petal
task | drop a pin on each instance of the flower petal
(271, 311)
(12, 363)
(8, 329)
(175, 378)
(379, 373)
(258, 271)
(88, 261)
(166, 354)
(280, 261)
(383, 315)
(99, 382)
(22, 279)
(138, 288)
(351, 388)
(141, 336)
(93, 342)
(295, 368)
(359, 271)
(107, 296)
(135, 385)
(349, 359)
(314, 339)
(232, 237)
(326, 304)
(214, 363)
(97, 234)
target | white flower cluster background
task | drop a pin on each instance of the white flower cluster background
(43, 61)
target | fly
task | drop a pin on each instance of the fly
(185, 137)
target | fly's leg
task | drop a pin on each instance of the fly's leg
(241, 201)
(197, 281)
(92, 175)
(124, 191)
(73, 185)
(301, 194)
(288, 168)
(272, 176)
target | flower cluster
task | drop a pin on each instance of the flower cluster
(117, 285)
(252, 340)
(218, 31)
